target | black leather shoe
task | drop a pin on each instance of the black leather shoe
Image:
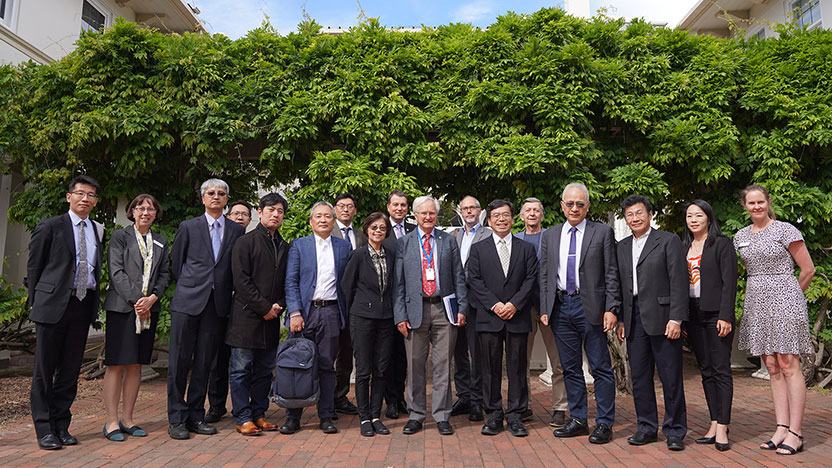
(201, 427)
(492, 428)
(66, 438)
(601, 434)
(675, 443)
(571, 429)
(346, 407)
(290, 426)
(214, 414)
(460, 407)
(444, 428)
(367, 429)
(392, 411)
(49, 442)
(328, 427)
(558, 418)
(380, 428)
(722, 447)
(178, 432)
(517, 429)
(413, 426)
(527, 415)
(475, 413)
(403, 407)
(706, 440)
(640, 438)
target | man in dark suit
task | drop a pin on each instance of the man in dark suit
(63, 272)
(201, 266)
(397, 372)
(579, 293)
(467, 370)
(345, 209)
(428, 275)
(654, 283)
(501, 275)
(317, 306)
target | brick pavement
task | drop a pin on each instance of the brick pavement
(753, 422)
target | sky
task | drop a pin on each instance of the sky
(235, 17)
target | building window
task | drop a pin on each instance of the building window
(2, 9)
(761, 34)
(806, 12)
(7, 13)
(93, 17)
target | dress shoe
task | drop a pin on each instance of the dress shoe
(392, 411)
(49, 442)
(706, 440)
(558, 418)
(403, 409)
(380, 428)
(527, 415)
(346, 407)
(291, 426)
(475, 413)
(571, 429)
(201, 427)
(641, 438)
(413, 426)
(178, 432)
(444, 428)
(66, 438)
(115, 435)
(249, 429)
(134, 431)
(328, 427)
(367, 429)
(492, 427)
(675, 443)
(460, 407)
(214, 414)
(517, 429)
(601, 434)
(722, 447)
(265, 425)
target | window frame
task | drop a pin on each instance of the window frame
(98, 6)
(9, 18)
(811, 7)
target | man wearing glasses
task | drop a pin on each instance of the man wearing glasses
(201, 266)
(63, 274)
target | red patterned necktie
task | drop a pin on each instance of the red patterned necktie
(429, 287)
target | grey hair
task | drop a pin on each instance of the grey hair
(459, 205)
(533, 200)
(321, 203)
(419, 200)
(575, 185)
(216, 183)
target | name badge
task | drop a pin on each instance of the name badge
(158, 243)
(744, 244)
(430, 274)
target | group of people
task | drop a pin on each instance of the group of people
(389, 294)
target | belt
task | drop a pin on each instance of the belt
(319, 303)
(432, 299)
(561, 293)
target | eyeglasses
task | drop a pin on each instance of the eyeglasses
(239, 213)
(379, 227)
(426, 214)
(82, 194)
(570, 204)
(469, 208)
(218, 193)
(635, 214)
(345, 206)
(145, 209)
(501, 215)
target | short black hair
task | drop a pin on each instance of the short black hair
(344, 196)
(396, 193)
(83, 179)
(635, 199)
(372, 218)
(271, 199)
(240, 202)
(498, 203)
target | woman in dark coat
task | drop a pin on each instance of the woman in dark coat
(712, 268)
(367, 285)
(139, 274)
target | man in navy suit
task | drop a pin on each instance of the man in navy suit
(317, 306)
(201, 265)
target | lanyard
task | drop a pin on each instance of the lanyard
(425, 254)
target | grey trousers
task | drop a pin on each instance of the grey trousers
(558, 389)
(437, 337)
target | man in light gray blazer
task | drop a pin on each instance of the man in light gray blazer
(428, 271)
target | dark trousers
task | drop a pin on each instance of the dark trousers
(323, 325)
(573, 336)
(468, 378)
(372, 341)
(343, 366)
(251, 380)
(491, 365)
(194, 340)
(59, 351)
(397, 371)
(647, 351)
(218, 378)
(714, 357)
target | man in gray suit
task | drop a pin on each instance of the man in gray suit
(532, 213)
(428, 275)
(467, 372)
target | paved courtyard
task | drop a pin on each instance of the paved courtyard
(753, 422)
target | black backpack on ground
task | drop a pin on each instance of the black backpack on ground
(295, 382)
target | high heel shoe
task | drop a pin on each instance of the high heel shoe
(770, 444)
(727, 445)
(789, 449)
(706, 440)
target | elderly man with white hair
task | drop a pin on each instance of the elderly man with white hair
(429, 303)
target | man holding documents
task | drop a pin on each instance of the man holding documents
(429, 302)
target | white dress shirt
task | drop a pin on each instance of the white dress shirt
(325, 278)
(563, 253)
(349, 237)
(92, 245)
(467, 240)
(434, 258)
(638, 246)
(497, 239)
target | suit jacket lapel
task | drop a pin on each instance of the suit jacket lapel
(513, 259)
(649, 245)
(205, 234)
(554, 250)
(158, 251)
(627, 249)
(69, 234)
(589, 231)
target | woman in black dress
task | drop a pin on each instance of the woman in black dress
(138, 264)
(712, 268)
(367, 284)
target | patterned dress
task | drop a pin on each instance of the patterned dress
(775, 316)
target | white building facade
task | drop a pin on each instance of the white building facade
(755, 18)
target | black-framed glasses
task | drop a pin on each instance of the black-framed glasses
(83, 194)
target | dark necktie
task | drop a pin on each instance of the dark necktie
(346, 232)
(571, 287)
